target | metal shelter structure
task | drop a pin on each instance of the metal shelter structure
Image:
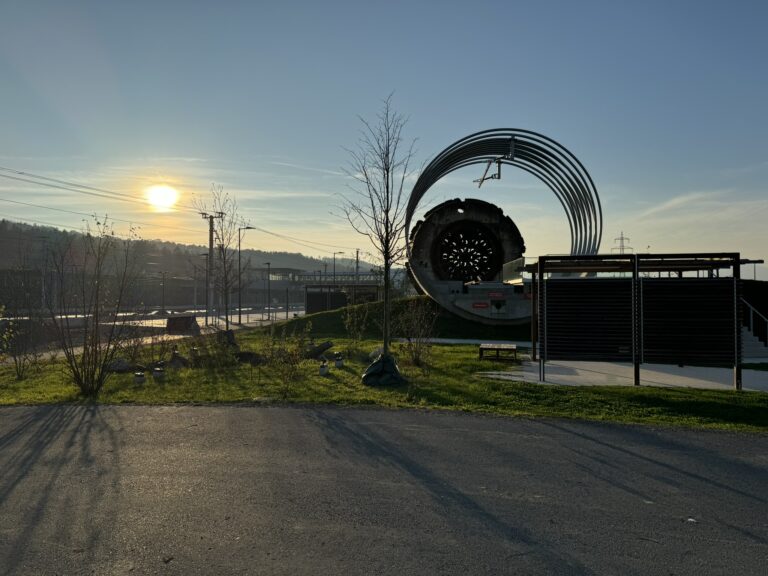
(691, 316)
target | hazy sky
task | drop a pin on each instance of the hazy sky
(663, 102)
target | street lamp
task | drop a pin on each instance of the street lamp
(161, 276)
(240, 276)
(162, 294)
(334, 265)
(268, 264)
(205, 255)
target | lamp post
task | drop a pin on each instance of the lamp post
(162, 293)
(205, 255)
(268, 264)
(240, 275)
(334, 266)
(43, 263)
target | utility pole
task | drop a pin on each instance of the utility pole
(194, 287)
(334, 266)
(269, 299)
(211, 258)
(162, 294)
(357, 275)
(622, 248)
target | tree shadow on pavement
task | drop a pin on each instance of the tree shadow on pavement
(60, 476)
(349, 437)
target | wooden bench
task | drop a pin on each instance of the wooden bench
(510, 350)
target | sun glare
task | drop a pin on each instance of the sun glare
(162, 197)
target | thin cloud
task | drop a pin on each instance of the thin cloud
(246, 194)
(683, 201)
(307, 168)
(746, 169)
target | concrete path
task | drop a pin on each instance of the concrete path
(292, 491)
(620, 374)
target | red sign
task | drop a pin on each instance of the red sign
(480, 305)
(496, 295)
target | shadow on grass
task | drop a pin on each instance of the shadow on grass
(748, 408)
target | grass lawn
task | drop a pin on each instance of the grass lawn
(451, 383)
(762, 366)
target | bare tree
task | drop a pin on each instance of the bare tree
(226, 222)
(95, 274)
(375, 208)
(21, 336)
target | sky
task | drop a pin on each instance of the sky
(664, 103)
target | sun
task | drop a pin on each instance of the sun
(162, 197)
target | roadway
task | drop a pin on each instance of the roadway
(314, 490)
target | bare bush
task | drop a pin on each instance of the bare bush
(154, 350)
(287, 357)
(355, 320)
(94, 275)
(22, 333)
(20, 341)
(212, 351)
(416, 324)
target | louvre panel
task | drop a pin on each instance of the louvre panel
(688, 321)
(589, 319)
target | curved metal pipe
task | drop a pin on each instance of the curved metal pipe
(538, 155)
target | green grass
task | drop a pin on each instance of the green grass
(451, 383)
(762, 366)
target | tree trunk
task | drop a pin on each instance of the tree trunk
(387, 305)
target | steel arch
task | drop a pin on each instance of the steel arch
(543, 157)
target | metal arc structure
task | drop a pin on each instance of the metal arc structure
(543, 157)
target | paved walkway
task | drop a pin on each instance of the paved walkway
(620, 374)
(233, 490)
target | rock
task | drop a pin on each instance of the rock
(184, 325)
(248, 357)
(121, 366)
(383, 372)
(177, 361)
(315, 352)
(226, 338)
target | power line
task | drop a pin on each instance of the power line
(109, 217)
(83, 188)
(299, 241)
(59, 184)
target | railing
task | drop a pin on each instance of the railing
(755, 322)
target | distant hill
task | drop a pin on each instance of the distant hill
(26, 245)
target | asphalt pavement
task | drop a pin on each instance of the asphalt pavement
(316, 490)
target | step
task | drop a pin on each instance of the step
(752, 349)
